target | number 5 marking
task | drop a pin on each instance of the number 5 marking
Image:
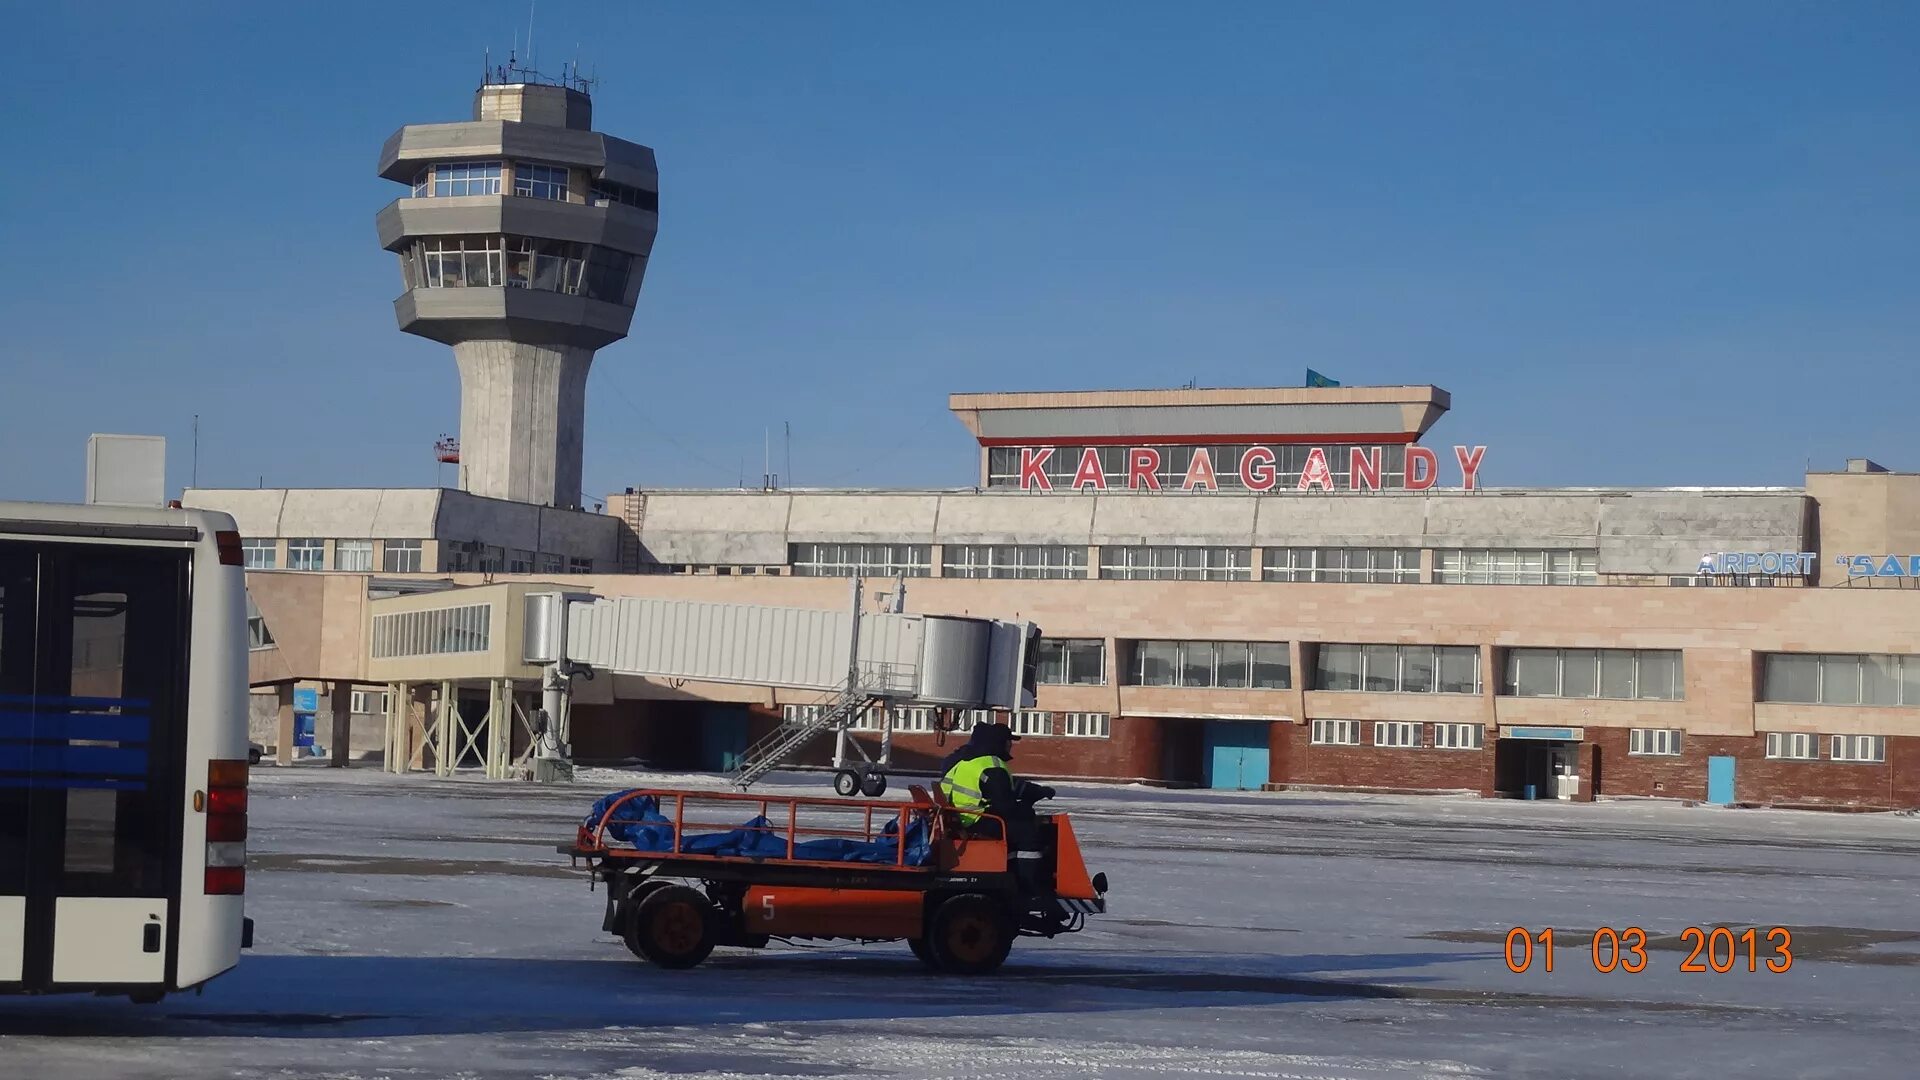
(766, 907)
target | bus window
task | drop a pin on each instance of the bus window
(17, 575)
(123, 613)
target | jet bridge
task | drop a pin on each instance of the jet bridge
(857, 659)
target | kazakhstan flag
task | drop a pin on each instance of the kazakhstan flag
(1314, 378)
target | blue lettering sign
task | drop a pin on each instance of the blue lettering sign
(1880, 566)
(1771, 563)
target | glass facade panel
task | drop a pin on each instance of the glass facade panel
(1580, 673)
(1338, 668)
(1417, 669)
(1272, 666)
(1840, 680)
(1459, 669)
(1533, 672)
(1616, 673)
(1659, 676)
(1380, 668)
(1230, 664)
(1158, 663)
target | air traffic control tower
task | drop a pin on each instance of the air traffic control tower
(522, 244)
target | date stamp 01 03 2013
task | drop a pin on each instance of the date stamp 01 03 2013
(1718, 950)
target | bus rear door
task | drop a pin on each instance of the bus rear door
(93, 654)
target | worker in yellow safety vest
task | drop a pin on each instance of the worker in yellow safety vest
(978, 780)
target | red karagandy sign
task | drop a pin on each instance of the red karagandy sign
(1257, 469)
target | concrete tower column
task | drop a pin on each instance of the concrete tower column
(522, 414)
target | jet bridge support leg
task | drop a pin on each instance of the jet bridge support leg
(553, 755)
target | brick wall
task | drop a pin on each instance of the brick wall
(1299, 762)
(1758, 779)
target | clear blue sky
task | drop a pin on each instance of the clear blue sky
(1640, 243)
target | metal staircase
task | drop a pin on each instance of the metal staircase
(783, 742)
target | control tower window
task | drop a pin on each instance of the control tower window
(605, 194)
(451, 262)
(539, 181)
(446, 179)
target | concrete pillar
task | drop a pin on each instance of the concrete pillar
(499, 726)
(283, 741)
(342, 700)
(445, 717)
(393, 754)
(522, 420)
(418, 730)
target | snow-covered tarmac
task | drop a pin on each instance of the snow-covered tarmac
(420, 928)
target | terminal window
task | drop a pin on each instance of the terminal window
(1256, 665)
(306, 554)
(1503, 566)
(1841, 679)
(1866, 748)
(1396, 733)
(1073, 662)
(1793, 745)
(401, 557)
(1032, 561)
(259, 554)
(1654, 742)
(1622, 674)
(1458, 736)
(1160, 563)
(1405, 669)
(1086, 725)
(1377, 565)
(467, 628)
(1336, 733)
(861, 560)
(353, 554)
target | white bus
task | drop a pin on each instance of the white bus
(123, 749)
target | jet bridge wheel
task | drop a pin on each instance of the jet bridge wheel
(846, 782)
(873, 784)
(673, 927)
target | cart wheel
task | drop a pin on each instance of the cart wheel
(970, 934)
(673, 927)
(920, 949)
(847, 782)
(873, 785)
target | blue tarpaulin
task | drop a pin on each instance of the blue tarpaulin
(638, 823)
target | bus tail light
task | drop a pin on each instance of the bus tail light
(226, 873)
(228, 544)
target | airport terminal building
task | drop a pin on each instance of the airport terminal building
(1239, 588)
(1290, 587)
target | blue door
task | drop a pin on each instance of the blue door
(1720, 781)
(723, 737)
(1236, 755)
